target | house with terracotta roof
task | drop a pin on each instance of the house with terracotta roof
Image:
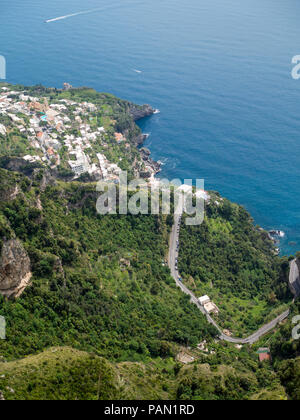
(36, 106)
(119, 137)
(50, 151)
(264, 354)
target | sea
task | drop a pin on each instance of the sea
(218, 71)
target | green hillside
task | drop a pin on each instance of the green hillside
(92, 311)
(63, 373)
(234, 262)
(99, 282)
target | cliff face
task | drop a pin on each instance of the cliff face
(139, 112)
(15, 273)
(296, 284)
(9, 193)
(18, 164)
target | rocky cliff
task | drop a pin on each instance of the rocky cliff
(139, 112)
(15, 272)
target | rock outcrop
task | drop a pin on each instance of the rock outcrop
(146, 156)
(139, 112)
(294, 278)
(15, 272)
(18, 164)
(9, 193)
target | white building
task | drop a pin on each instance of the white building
(102, 164)
(31, 159)
(81, 164)
(204, 300)
(2, 130)
(208, 305)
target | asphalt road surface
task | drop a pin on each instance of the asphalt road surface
(172, 260)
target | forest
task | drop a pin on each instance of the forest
(235, 263)
(100, 283)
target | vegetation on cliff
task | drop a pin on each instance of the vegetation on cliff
(234, 262)
(99, 282)
(63, 373)
(102, 318)
(100, 285)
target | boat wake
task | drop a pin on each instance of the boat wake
(85, 12)
(71, 15)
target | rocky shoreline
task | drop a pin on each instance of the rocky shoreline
(139, 112)
(153, 167)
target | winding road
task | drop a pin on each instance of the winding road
(172, 260)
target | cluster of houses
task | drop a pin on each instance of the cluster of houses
(49, 127)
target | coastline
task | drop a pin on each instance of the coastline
(275, 235)
(126, 129)
(153, 167)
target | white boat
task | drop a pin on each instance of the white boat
(156, 111)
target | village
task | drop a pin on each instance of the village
(51, 128)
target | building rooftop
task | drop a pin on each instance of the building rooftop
(204, 299)
(264, 354)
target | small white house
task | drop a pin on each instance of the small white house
(204, 300)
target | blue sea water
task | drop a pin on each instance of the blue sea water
(219, 71)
